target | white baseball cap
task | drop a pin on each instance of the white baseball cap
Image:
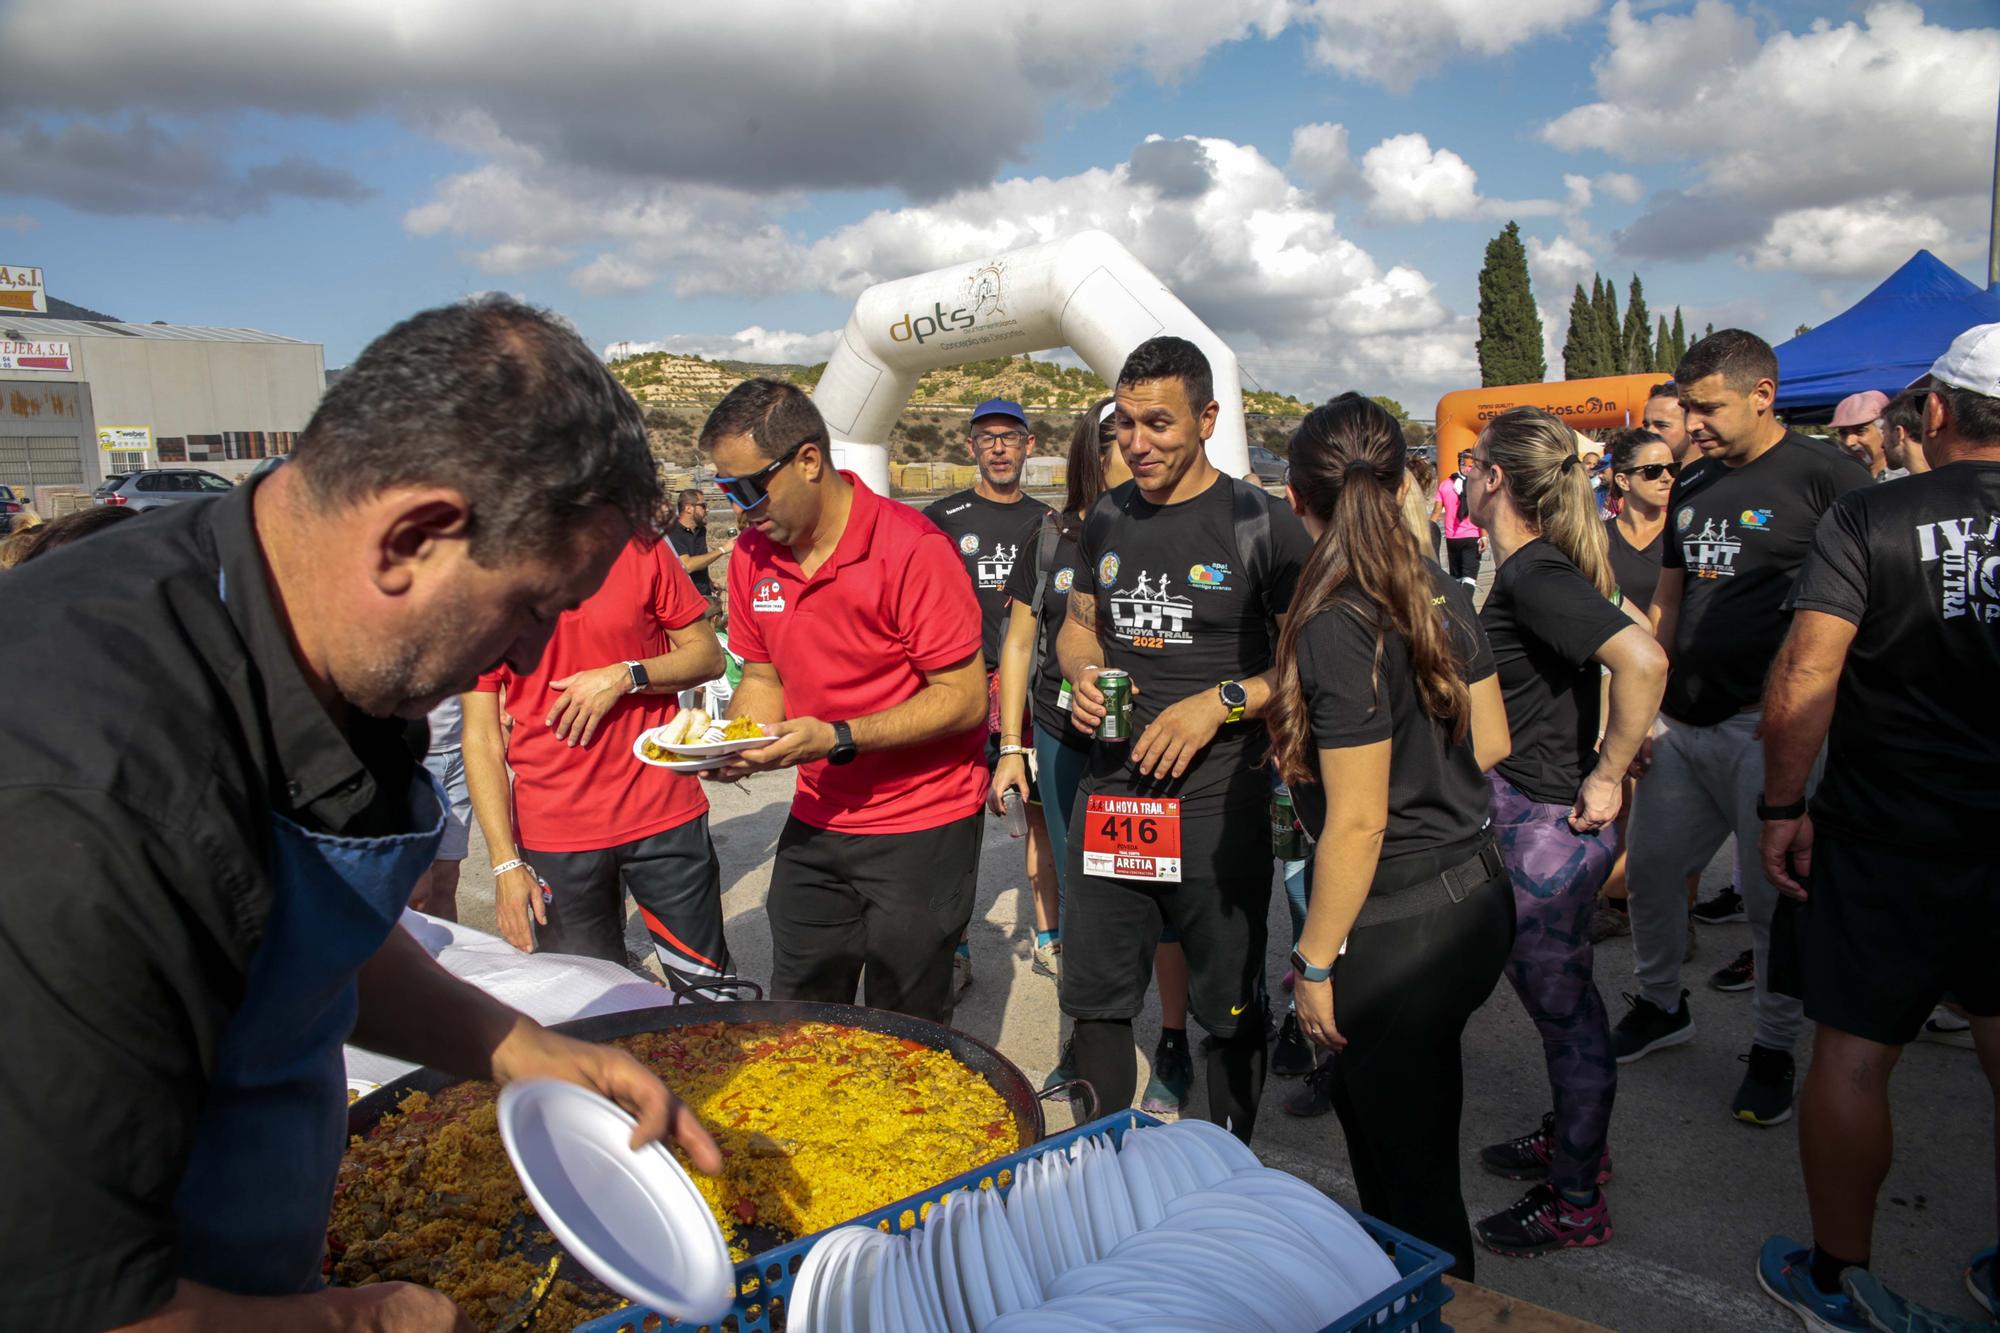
(1972, 362)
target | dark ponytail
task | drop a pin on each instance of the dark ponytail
(1347, 461)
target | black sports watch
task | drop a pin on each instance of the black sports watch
(844, 749)
(1306, 971)
(1796, 810)
(640, 680)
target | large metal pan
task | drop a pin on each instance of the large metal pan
(1023, 1103)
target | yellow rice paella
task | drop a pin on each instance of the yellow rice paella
(817, 1123)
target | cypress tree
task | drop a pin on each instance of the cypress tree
(1663, 349)
(1611, 353)
(1510, 328)
(1636, 340)
(1680, 340)
(1581, 348)
(1709, 332)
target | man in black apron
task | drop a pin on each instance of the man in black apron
(213, 818)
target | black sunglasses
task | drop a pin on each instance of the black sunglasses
(747, 492)
(1654, 471)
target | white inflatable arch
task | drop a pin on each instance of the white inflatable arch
(1086, 292)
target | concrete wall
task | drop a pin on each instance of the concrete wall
(201, 388)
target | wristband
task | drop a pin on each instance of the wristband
(1796, 810)
(516, 864)
(1015, 749)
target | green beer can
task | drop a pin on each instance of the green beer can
(1116, 687)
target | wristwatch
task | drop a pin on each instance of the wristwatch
(1796, 810)
(639, 678)
(1235, 698)
(1306, 971)
(844, 749)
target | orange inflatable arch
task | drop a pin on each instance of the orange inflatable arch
(1610, 402)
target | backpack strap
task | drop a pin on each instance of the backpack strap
(1045, 552)
(1255, 546)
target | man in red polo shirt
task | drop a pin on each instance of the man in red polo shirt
(586, 818)
(859, 636)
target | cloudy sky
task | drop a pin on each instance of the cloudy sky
(1316, 178)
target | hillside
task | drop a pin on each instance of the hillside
(678, 390)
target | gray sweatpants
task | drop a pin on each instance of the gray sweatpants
(1702, 787)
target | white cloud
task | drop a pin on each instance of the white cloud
(1320, 161)
(518, 257)
(1839, 116)
(1409, 181)
(1395, 43)
(1856, 240)
(612, 275)
(755, 343)
(1623, 187)
(1558, 266)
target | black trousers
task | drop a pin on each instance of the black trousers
(673, 876)
(1461, 556)
(882, 911)
(1401, 996)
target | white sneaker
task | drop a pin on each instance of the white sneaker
(1947, 1029)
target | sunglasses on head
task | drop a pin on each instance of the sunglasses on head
(747, 492)
(1654, 471)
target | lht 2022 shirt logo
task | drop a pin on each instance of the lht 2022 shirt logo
(992, 569)
(969, 543)
(1151, 615)
(1710, 553)
(768, 595)
(1968, 561)
(1065, 579)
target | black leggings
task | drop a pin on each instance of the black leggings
(1232, 1068)
(1461, 556)
(1401, 996)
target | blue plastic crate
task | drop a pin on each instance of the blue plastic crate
(765, 1281)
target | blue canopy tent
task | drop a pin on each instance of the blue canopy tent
(1884, 340)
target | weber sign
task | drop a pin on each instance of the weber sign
(25, 355)
(21, 289)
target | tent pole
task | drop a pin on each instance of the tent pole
(1993, 225)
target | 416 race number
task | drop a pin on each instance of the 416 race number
(1132, 837)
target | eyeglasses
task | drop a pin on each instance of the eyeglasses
(999, 439)
(747, 492)
(1654, 471)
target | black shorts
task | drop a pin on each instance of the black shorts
(676, 880)
(1888, 933)
(1219, 909)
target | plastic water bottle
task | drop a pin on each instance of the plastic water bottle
(1016, 812)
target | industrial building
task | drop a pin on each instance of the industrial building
(82, 397)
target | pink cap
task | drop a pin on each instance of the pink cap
(1858, 409)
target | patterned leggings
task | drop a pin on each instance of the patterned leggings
(1556, 874)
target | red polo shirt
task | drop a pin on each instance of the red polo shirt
(891, 603)
(594, 796)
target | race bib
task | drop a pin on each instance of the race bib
(1132, 837)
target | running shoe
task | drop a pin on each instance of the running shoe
(1724, 907)
(1765, 1095)
(1173, 1076)
(1528, 1157)
(1647, 1028)
(1608, 922)
(1065, 1070)
(1738, 975)
(1314, 1097)
(1293, 1055)
(1048, 959)
(1979, 1281)
(1543, 1221)
(961, 973)
(1784, 1269)
(1947, 1029)
(1886, 1312)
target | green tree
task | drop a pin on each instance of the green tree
(1611, 355)
(1391, 406)
(1709, 332)
(1581, 346)
(1635, 339)
(1663, 350)
(1680, 341)
(1510, 328)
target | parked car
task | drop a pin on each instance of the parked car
(1270, 468)
(12, 502)
(163, 486)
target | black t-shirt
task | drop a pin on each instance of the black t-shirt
(1913, 757)
(1545, 620)
(1637, 568)
(1176, 609)
(989, 537)
(1437, 796)
(685, 542)
(1046, 688)
(1739, 535)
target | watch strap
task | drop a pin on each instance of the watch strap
(844, 748)
(1235, 710)
(637, 670)
(1796, 810)
(1307, 971)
